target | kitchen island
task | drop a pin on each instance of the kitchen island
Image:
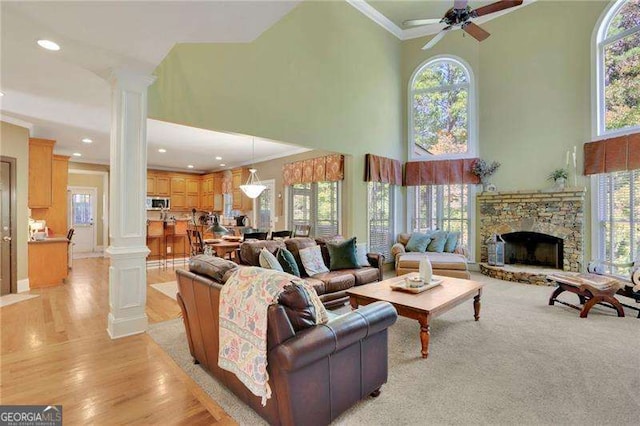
(48, 261)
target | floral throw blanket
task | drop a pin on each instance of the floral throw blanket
(244, 301)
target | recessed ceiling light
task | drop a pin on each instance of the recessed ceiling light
(77, 154)
(218, 158)
(222, 165)
(190, 166)
(87, 140)
(49, 45)
(162, 150)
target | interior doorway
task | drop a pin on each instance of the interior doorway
(8, 228)
(82, 210)
(264, 207)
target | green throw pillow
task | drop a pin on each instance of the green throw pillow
(452, 242)
(418, 242)
(438, 240)
(288, 262)
(343, 255)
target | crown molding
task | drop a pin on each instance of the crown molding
(411, 33)
(372, 13)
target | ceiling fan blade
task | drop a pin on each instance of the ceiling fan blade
(435, 40)
(460, 4)
(475, 31)
(416, 22)
(497, 7)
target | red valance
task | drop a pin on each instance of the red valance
(382, 169)
(441, 172)
(612, 155)
(329, 168)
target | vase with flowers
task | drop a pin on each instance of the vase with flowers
(484, 170)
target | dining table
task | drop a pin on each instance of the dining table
(224, 249)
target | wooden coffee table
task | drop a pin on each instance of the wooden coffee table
(423, 306)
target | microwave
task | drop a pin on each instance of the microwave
(158, 203)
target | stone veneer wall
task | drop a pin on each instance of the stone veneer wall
(558, 213)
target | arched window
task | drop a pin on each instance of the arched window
(616, 195)
(618, 68)
(441, 120)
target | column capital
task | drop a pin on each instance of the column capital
(130, 80)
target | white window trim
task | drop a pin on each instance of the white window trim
(393, 219)
(598, 43)
(287, 197)
(473, 189)
(472, 121)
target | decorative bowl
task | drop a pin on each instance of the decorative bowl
(413, 282)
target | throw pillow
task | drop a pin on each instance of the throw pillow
(268, 261)
(288, 262)
(211, 266)
(452, 242)
(438, 240)
(312, 261)
(361, 253)
(418, 242)
(342, 255)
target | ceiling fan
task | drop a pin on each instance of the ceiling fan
(461, 15)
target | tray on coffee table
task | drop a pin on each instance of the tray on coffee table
(402, 286)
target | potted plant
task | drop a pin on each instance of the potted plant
(559, 177)
(484, 170)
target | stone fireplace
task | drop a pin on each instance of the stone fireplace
(541, 229)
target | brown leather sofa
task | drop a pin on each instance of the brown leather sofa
(331, 286)
(316, 372)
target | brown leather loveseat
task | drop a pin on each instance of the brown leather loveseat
(316, 372)
(331, 286)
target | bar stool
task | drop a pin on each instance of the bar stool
(180, 237)
(155, 235)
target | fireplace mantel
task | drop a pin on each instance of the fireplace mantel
(556, 213)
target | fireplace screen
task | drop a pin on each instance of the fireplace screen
(532, 248)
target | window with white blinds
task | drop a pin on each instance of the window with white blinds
(380, 207)
(446, 207)
(618, 217)
(315, 204)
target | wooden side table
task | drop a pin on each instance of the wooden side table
(591, 290)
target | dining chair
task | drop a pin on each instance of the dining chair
(255, 236)
(280, 234)
(302, 231)
(196, 245)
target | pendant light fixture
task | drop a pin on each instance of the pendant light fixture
(253, 188)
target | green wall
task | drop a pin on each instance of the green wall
(14, 142)
(533, 79)
(324, 77)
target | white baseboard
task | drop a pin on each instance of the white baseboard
(23, 285)
(123, 327)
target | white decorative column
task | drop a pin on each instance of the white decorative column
(127, 211)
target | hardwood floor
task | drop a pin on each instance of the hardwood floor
(55, 350)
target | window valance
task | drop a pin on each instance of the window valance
(329, 168)
(382, 169)
(442, 172)
(612, 155)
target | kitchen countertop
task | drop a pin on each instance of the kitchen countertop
(54, 239)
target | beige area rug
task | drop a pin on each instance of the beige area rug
(10, 299)
(524, 362)
(168, 289)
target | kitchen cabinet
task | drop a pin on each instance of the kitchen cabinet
(240, 201)
(193, 186)
(151, 184)
(178, 185)
(163, 186)
(40, 173)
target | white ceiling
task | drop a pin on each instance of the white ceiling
(64, 95)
